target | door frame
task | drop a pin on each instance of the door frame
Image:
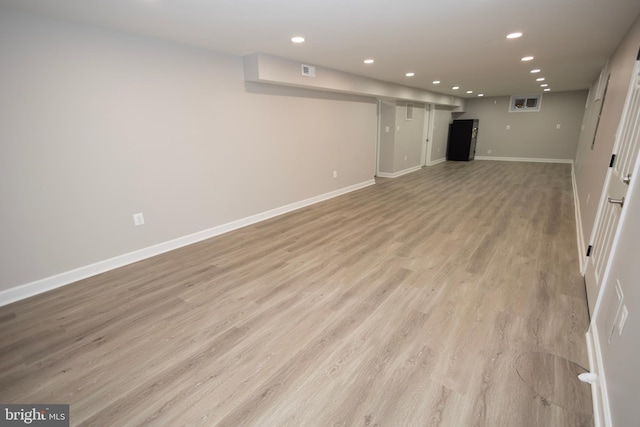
(376, 167)
(427, 135)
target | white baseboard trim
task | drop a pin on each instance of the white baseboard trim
(49, 283)
(582, 251)
(400, 173)
(524, 159)
(599, 396)
(435, 162)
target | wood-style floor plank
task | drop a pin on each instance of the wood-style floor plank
(439, 298)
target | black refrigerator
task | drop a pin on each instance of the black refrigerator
(462, 140)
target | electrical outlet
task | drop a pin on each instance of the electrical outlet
(138, 219)
(508, 127)
(558, 126)
(405, 157)
(489, 151)
(335, 174)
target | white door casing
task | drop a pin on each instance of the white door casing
(376, 166)
(427, 132)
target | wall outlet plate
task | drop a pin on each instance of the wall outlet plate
(138, 219)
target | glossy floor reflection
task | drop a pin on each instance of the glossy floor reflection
(555, 379)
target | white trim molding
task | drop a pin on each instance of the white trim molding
(400, 173)
(582, 250)
(599, 396)
(524, 159)
(435, 162)
(49, 283)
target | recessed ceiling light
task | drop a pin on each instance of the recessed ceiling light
(527, 58)
(368, 61)
(455, 87)
(410, 74)
(297, 39)
(544, 85)
(535, 71)
(547, 90)
(436, 82)
(514, 35)
(540, 79)
(481, 94)
(469, 91)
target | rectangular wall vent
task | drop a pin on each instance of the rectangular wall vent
(409, 115)
(308, 70)
(525, 103)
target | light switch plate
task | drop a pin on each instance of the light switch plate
(138, 219)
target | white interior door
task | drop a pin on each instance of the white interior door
(617, 325)
(614, 193)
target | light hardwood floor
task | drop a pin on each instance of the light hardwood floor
(447, 297)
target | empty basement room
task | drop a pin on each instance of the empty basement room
(244, 214)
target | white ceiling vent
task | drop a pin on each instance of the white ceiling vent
(308, 70)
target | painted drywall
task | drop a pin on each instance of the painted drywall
(400, 139)
(618, 356)
(270, 69)
(441, 122)
(528, 135)
(408, 137)
(387, 137)
(98, 125)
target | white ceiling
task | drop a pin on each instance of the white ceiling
(460, 42)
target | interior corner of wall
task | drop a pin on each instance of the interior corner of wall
(250, 66)
(460, 108)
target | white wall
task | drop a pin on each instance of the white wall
(441, 122)
(408, 137)
(387, 137)
(270, 69)
(531, 135)
(401, 145)
(97, 125)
